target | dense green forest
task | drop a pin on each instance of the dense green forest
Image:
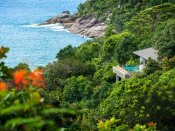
(81, 88)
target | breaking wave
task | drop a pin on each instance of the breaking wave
(53, 27)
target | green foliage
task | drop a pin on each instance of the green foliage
(109, 31)
(5, 72)
(145, 23)
(168, 64)
(111, 125)
(82, 77)
(152, 66)
(139, 127)
(142, 100)
(147, 97)
(165, 40)
(132, 62)
(133, 25)
(21, 66)
(62, 69)
(100, 93)
(77, 89)
(52, 97)
(115, 46)
(147, 20)
(94, 6)
(88, 51)
(67, 52)
(108, 125)
(104, 73)
(3, 51)
(121, 10)
(25, 110)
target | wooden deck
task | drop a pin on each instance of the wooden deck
(120, 72)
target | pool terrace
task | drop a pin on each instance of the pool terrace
(128, 70)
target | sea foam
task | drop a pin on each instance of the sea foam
(53, 27)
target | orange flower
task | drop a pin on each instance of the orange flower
(23, 78)
(38, 83)
(25, 82)
(37, 71)
(3, 86)
(32, 76)
(19, 76)
(37, 74)
(37, 78)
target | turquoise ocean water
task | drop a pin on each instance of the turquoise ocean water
(36, 46)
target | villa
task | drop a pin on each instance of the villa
(127, 71)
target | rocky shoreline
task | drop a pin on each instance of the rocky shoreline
(87, 25)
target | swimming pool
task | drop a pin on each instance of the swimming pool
(132, 68)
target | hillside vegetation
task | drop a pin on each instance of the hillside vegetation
(81, 79)
(144, 98)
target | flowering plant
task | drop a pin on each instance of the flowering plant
(21, 105)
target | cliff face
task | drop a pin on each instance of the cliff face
(88, 26)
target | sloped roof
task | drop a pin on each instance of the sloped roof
(147, 53)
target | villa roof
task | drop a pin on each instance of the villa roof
(147, 53)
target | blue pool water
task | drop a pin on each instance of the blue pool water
(28, 43)
(132, 68)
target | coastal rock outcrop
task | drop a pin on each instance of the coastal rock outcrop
(87, 25)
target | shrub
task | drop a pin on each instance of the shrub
(5, 72)
(23, 108)
(152, 66)
(62, 69)
(21, 66)
(77, 89)
(111, 125)
(164, 40)
(142, 100)
(67, 52)
(88, 51)
(115, 47)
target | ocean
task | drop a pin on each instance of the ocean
(28, 43)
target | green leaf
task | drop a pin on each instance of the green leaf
(33, 122)
(58, 111)
(14, 108)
